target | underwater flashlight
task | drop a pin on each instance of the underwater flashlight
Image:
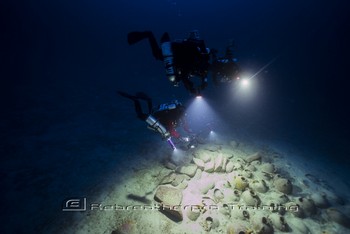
(186, 139)
(171, 143)
(213, 136)
(245, 82)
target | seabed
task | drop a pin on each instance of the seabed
(221, 186)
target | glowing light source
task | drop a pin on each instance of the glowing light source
(213, 136)
(245, 88)
(245, 82)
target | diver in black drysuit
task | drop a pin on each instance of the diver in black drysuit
(183, 59)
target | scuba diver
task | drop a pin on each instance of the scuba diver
(183, 59)
(163, 118)
(224, 69)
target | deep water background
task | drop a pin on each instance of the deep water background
(64, 130)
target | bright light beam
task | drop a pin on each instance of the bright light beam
(178, 156)
(246, 86)
(245, 82)
(212, 136)
(199, 114)
(261, 69)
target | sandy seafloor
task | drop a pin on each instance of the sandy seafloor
(143, 176)
(98, 155)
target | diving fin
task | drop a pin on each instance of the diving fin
(126, 95)
(142, 95)
(134, 37)
(139, 95)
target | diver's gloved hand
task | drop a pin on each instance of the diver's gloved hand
(166, 136)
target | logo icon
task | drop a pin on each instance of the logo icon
(74, 204)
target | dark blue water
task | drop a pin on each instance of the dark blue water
(64, 129)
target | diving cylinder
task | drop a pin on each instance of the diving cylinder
(168, 60)
(153, 123)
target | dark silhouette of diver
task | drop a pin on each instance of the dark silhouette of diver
(163, 118)
(183, 59)
(224, 69)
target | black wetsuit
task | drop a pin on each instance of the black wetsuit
(191, 57)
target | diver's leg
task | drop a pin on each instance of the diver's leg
(125, 95)
(156, 50)
(137, 105)
(138, 110)
(142, 95)
(134, 37)
(145, 97)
